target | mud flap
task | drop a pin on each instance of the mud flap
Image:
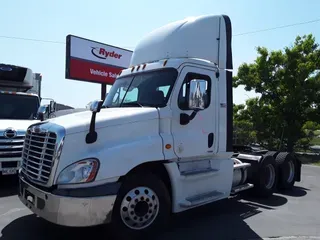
(298, 165)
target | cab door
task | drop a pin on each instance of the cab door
(196, 138)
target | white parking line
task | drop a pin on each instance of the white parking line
(11, 211)
(310, 165)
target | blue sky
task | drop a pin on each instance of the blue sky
(123, 23)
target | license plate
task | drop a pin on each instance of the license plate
(9, 171)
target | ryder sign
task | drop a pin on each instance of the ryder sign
(91, 61)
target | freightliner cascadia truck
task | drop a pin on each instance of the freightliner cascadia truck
(160, 143)
(18, 110)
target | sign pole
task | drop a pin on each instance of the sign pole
(103, 91)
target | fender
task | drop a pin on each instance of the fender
(118, 148)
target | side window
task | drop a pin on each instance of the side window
(185, 89)
(130, 97)
(164, 89)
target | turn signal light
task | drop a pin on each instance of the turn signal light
(168, 146)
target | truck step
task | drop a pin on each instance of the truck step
(198, 171)
(241, 188)
(201, 199)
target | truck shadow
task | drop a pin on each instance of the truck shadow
(8, 186)
(221, 220)
(296, 192)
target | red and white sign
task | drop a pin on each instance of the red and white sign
(91, 61)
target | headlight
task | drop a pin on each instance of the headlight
(83, 171)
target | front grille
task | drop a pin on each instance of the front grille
(11, 146)
(38, 155)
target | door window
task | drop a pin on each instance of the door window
(185, 90)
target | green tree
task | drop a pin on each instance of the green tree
(265, 130)
(310, 132)
(289, 83)
(243, 128)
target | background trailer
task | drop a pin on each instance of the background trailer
(95, 62)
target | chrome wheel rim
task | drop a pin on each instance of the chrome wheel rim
(271, 176)
(139, 208)
(291, 172)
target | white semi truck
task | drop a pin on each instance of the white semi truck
(160, 143)
(18, 110)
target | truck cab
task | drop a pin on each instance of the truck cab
(19, 110)
(160, 143)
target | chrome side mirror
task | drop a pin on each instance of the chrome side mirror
(52, 107)
(95, 106)
(42, 112)
(197, 95)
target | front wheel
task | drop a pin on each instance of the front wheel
(143, 204)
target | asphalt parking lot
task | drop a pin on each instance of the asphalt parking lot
(288, 214)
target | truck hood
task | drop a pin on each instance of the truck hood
(20, 125)
(79, 122)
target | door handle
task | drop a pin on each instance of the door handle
(210, 140)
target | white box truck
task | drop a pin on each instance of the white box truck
(160, 143)
(18, 110)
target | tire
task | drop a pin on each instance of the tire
(286, 165)
(132, 217)
(274, 154)
(265, 177)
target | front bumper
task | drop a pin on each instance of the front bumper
(65, 210)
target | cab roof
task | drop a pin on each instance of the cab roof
(203, 37)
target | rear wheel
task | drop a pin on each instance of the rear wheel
(265, 177)
(274, 154)
(142, 206)
(286, 164)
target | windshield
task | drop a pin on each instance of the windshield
(149, 89)
(15, 106)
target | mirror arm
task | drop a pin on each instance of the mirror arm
(193, 114)
(185, 118)
(92, 134)
(41, 117)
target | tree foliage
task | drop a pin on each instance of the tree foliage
(310, 132)
(289, 83)
(244, 132)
